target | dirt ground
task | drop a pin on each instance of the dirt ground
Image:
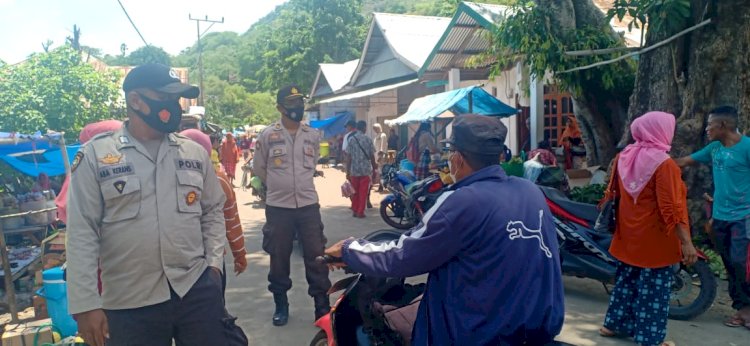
(248, 297)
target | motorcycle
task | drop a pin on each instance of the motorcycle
(408, 199)
(584, 253)
(252, 182)
(352, 319)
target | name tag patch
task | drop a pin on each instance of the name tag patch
(275, 137)
(111, 172)
(193, 165)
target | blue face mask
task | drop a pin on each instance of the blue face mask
(165, 115)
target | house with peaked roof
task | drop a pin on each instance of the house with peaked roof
(385, 79)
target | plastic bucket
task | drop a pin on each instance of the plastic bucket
(406, 165)
(54, 290)
(324, 150)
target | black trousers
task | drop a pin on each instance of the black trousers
(732, 243)
(195, 319)
(278, 238)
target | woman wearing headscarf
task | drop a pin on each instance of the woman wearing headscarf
(571, 137)
(652, 232)
(230, 155)
(233, 225)
(88, 132)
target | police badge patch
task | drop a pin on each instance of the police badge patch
(120, 185)
(76, 161)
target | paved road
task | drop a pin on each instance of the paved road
(248, 297)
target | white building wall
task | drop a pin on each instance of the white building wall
(505, 87)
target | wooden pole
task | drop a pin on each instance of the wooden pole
(66, 159)
(10, 290)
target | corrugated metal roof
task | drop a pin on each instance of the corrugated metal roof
(410, 39)
(338, 75)
(465, 36)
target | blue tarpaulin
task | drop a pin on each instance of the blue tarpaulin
(473, 99)
(49, 162)
(332, 126)
(46, 158)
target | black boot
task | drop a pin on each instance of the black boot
(322, 306)
(281, 315)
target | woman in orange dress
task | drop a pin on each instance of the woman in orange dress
(652, 232)
(571, 137)
(230, 155)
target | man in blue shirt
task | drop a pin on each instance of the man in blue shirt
(729, 155)
(489, 246)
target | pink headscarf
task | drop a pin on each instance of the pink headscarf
(89, 131)
(653, 133)
(200, 138)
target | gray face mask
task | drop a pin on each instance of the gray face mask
(295, 113)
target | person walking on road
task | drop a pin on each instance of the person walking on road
(652, 232)
(147, 204)
(285, 159)
(485, 252)
(381, 148)
(360, 165)
(230, 155)
(233, 225)
(729, 155)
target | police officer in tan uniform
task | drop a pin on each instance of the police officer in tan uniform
(286, 155)
(145, 206)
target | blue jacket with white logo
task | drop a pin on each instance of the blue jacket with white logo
(489, 245)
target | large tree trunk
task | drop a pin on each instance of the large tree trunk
(707, 68)
(601, 114)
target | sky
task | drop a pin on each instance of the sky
(26, 24)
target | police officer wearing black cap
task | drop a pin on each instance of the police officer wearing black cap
(286, 155)
(146, 207)
(488, 243)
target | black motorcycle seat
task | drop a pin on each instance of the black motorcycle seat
(587, 212)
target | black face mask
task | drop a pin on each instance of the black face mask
(165, 116)
(295, 113)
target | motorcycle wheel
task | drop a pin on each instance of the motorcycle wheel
(389, 215)
(320, 339)
(693, 291)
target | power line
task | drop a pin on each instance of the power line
(132, 23)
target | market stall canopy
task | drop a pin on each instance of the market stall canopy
(49, 162)
(33, 154)
(472, 99)
(332, 126)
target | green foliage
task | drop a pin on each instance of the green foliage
(55, 91)
(232, 105)
(143, 55)
(658, 15)
(301, 34)
(444, 8)
(529, 34)
(715, 263)
(589, 194)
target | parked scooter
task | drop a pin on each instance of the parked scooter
(352, 320)
(584, 253)
(409, 199)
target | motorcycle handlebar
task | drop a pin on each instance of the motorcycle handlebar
(325, 259)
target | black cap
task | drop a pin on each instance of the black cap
(288, 92)
(478, 134)
(159, 78)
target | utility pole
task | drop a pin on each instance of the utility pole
(200, 49)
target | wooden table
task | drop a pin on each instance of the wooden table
(8, 276)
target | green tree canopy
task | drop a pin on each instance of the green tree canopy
(55, 91)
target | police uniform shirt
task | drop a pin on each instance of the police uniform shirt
(287, 165)
(151, 223)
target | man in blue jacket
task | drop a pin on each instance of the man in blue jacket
(489, 246)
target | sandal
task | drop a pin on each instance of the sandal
(605, 332)
(735, 321)
(668, 343)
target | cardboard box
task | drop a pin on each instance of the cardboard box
(23, 334)
(40, 308)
